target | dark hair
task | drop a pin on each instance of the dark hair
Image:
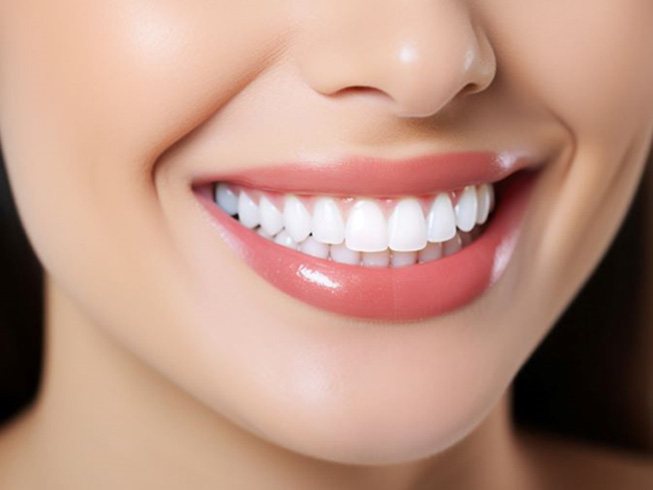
(587, 379)
(21, 308)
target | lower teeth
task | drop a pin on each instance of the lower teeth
(386, 258)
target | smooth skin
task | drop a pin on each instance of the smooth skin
(170, 364)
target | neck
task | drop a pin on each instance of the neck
(103, 416)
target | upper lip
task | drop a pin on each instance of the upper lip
(382, 177)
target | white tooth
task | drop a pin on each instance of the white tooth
(483, 196)
(402, 259)
(327, 224)
(286, 240)
(296, 219)
(271, 217)
(264, 233)
(366, 229)
(226, 198)
(312, 247)
(248, 213)
(407, 227)
(466, 209)
(452, 246)
(340, 253)
(376, 259)
(441, 220)
(432, 251)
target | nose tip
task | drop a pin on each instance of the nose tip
(421, 80)
(415, 63)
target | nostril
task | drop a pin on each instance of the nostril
(357, 88)
(363, 90)
(470, 88)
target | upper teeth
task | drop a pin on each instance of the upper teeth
(404, 226)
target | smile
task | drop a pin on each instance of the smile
(360, 230)
(366, 238)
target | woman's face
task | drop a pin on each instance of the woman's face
(114, 116)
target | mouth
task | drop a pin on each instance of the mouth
(373, 238)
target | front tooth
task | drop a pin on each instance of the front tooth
(248, 212)
(226, 198)
(376, 259)
(343, 255)
(271, 217)
(366, 229)
(296, 219)
(402, 259)
(264, 233)
(312, 247)
(327, 225)
(483, 196)
(441, 220)
(407, 227)
(285, 240)
(466, 209)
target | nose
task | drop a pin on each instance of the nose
(416, 56)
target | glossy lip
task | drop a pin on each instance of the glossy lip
(378, 177)
(409, 293)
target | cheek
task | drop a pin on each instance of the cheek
(93, 92)
(590, 63)
(131, 75)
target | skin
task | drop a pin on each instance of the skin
(170, 364)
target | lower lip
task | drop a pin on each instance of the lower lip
(408, 293)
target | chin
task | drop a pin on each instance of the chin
(375, 427)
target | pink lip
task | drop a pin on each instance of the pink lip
(391, 294)
(377, 176)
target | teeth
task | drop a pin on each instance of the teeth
(452, 246)
(296, 219)
(376, 259)
(264, 234)
(483, 196)
(327, 224)
(226, 198)
(366, 229)
(373, 233)
(465, 238)
(402, 259)
(466, 209)
(407, 227)
(286, 240)
(248, 212)
(340, 253)
(441, 220)
(314, 248)
(271, 217)
(432, 251)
